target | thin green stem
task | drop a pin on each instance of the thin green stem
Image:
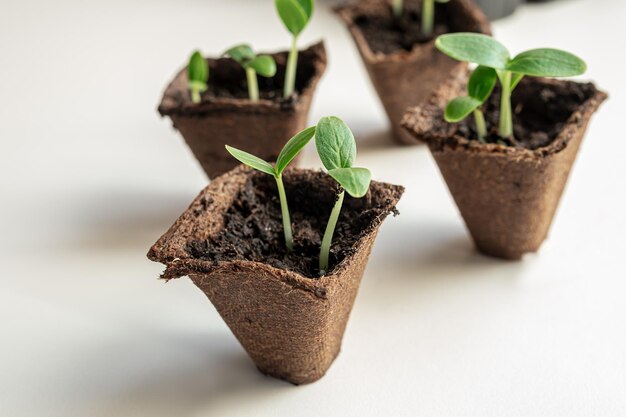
(328, 234)
(253, 84)
(506, 115)
(397, 6)
(428, 16)
(284, 208)
(195, 96)
(292, 68)
(481, 128)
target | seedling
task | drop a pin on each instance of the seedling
(198, 76)
(289, 151)
(295, 15)
(495, 63)
(336, 148)
(428, 13)
(263, 65)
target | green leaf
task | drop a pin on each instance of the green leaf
(474, 47)
(240, 53)
(292, 148)
(356, 181)
(307, 6)
(294, 14)
(481, 83)
(515, 79)
(335, 143)
(251, 160)
(198, 68)
(547, 62)
(263, 65)
(459, 108)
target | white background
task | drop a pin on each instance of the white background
(90, 177)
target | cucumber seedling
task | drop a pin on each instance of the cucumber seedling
(295, 15)
(197, 75)
(289, 151)
(336, 148)
(428, 13)
(263, 65)
(495, 64)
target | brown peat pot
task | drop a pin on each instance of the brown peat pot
(227, 116)
(230, 243)
(508, 193)
(404, 66)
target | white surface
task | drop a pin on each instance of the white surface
(90, 177)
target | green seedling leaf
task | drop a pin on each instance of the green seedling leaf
(335, 143)
(295, 14)
(240, 53)
(547, 62)
(198, 68)
(356, 181)
(292, 148)
(515, 80)
(459, 108)
(263, 65)
(474, 47)
(482, 83)
(251, 161)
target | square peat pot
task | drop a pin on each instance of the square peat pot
(404, 66)
(226, 115)
(230, 243)
(508, 192)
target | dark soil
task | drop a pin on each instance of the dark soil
(253, 225)
(387, 34)
(539, 113)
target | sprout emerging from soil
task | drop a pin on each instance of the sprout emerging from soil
(337, 149)
(198, 76)
(397, 7)
(428, 15)
(263, 65)
(495, 64)
(295, 15)
(291, 149)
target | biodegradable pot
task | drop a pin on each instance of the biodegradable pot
(496, 9)
(405, 70)
(508, 195)
(289, 320)
(227, 116)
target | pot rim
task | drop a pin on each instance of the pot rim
(417, 121)
(170, 104)
(348, 13)
(169, 249)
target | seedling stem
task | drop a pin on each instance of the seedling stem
(428, 16)
(253, 84)
(506, 116)
(397, 7)
(481, 127)
(330, 231)
(292, 67)
(284, 208)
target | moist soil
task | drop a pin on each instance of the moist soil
(539, 113)
(387, 34)
(253, 228)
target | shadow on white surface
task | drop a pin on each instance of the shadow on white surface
(188, 374)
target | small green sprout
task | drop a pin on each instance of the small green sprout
(479, 88)
(397, 6)
(495, 63)
(428, 15)
(336, 148)
(289, 151)
(295, 15)
(198, 76)
(263, 65)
